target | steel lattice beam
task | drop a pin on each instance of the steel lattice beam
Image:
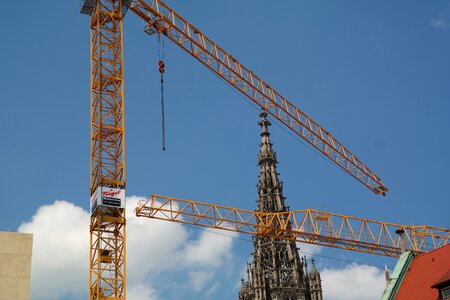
(307, 226)
(160, 18)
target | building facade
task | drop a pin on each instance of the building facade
(277, 272)
(15, 265)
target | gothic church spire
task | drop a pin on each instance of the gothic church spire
(276, 271)
(270, 189)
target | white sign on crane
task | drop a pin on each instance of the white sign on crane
(107, 196)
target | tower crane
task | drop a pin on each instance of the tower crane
(307, 226)
(107, 269)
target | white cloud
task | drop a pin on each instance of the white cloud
(442, 22)
(152, 245)
(212, 248)
(61, 253)
(199, 279)
(60, 250)
(212, 288)
(308, 249)
(141, 292)
(354, 282)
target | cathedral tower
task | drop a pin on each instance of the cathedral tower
(277, 272)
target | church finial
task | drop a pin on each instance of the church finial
(387, 276)
(266, 152)
(313, 266)
(264, 123)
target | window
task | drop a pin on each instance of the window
(445, 292)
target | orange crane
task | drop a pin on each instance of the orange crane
(107, 269)
(307, 226)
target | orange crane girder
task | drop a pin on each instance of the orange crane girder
(307, 226)
(160, 18)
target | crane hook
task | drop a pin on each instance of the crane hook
(161, 67)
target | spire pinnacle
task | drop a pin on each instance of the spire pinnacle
(266, 151)
(387, 275)
(313, 266)
(264, 123)
(269, 186)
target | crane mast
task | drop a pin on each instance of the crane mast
(107, 267)
(306, 226)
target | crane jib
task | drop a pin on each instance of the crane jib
(162, 19)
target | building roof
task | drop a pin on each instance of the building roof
(395, 279)
(425, 271)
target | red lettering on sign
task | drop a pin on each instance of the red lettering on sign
(110, 193)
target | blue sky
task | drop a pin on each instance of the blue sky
(374, 74)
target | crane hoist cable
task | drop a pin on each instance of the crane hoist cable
(161, 69)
